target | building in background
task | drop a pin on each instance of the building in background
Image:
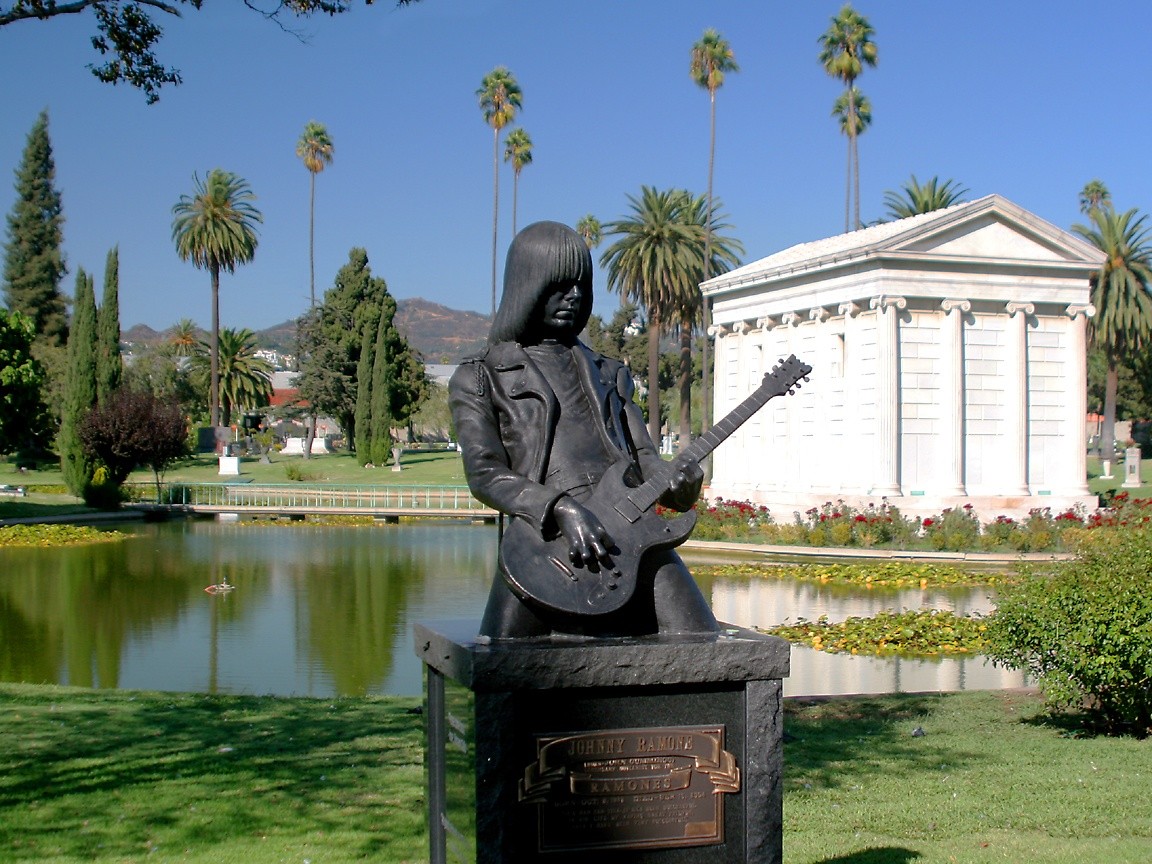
(948, 363)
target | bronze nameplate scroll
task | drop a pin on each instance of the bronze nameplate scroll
(630, 788)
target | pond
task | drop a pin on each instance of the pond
(322, 611)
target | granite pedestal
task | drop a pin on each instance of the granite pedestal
(662, 749)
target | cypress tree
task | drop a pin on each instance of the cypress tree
(33, 261)
(80, 395)
(380, 419)
(109, 369)
(363, 426)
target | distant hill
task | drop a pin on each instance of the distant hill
(440, 334)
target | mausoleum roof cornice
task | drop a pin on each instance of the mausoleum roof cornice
(911, 241)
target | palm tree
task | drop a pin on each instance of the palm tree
(722, 253)
(1120, 293)
(845, 49)
(215, 227)
(914, 198)
(500, 97)
(590, 229)
(853, 111)
(1093, 196)
(245, 378)
(315, 149)
(712, 57)
(184, 337)
(654, 262)
(518, 151)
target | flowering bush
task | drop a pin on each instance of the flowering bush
(954, 530)
(837, 523)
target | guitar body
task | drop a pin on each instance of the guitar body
(541, 573)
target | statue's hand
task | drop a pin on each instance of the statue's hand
(684, 487)
(589, 542)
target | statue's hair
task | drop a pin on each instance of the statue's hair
(542, 255)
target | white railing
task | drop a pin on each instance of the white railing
(321, 497)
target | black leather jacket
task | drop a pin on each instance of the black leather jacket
(505, 416)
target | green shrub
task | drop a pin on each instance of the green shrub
(1083, 629)
(297, 474)
(955, 530)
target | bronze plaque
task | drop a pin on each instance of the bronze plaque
(630, 788)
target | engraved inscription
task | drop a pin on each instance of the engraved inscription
(630, 788)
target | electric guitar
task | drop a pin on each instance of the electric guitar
(539, 569)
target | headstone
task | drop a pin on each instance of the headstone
(657, 750)
(230, 466)
(1131, 468)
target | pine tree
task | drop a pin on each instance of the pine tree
(109, 369)
(80, 394)
(33, 261)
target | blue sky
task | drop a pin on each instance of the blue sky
(1026, 99)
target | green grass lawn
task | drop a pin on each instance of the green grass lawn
(1099, 484)
(108, 776)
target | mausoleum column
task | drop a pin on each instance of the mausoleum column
(796, 474)
(886, 479)
(952, 395)
(1016, 400)
(857, 475)
(1076, 397)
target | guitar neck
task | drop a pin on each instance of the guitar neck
(646, 494)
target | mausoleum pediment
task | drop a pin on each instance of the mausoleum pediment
(986, 231)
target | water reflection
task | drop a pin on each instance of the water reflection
(762, 602)
(322, 611)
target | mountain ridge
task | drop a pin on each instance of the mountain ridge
(438, 333)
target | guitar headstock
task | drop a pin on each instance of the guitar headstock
(786, 376)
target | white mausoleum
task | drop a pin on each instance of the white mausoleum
(948, 366)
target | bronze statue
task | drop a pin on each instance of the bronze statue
(548, 426)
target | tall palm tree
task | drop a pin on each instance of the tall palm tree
(1093, 196)
(1120, 293)
(712, 58)
(722, 253)
(215, 227)
(315, 149)
(245, 378)
(654, 262)
(500, 98)
(590, 229)
(518, 151)
(914, 198)
(845, 49)
(853, 112)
